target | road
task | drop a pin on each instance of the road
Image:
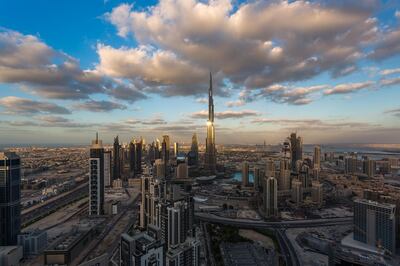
(244, 223)
(287, 249)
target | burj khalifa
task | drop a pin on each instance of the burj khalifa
(210, 161)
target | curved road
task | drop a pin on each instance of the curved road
(287, 249)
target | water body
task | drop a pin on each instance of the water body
(238, 176)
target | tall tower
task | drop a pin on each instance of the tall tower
(245, 174)
(117, 159)
(96, 178)
(210, 156)
(317, 157)
(194, 151)
(10, 210)
(271, 196)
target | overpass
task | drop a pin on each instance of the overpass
(287, 249)
(246, 223)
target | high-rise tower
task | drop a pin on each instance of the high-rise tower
(210, 156)
(116, 159)
(10, 210)
(96, 178)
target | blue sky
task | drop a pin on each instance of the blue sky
(327, 69)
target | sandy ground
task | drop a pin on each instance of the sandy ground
(265, 241)
(248, 214)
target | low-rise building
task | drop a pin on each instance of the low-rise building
(64, 251)
(33, 242)
(10, 255)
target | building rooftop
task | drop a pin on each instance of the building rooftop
(348, 241)
(5, 250)
(8, 155)
(376, 204)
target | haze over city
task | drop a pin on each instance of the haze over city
(329, 72)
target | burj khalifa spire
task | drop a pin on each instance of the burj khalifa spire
(210, 155)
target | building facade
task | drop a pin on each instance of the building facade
(10, 210)
(96, 178)
(375, 224)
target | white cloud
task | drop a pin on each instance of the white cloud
(253, 44)
(391, 71)
(390, 82)
(203, 114)
(348, 88)
(99, 106)
(17, 105)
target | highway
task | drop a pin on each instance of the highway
(245, 223)
(287, 249)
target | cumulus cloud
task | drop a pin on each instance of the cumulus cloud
(152, 121)
(17, 105)
(27, 61)
(348, 88)
(313, 124)
(49, 121)
(235, 103)
(391, 71)
(202, 100)
(285, 94)
(390, 82)
(39, 69)
(387, 46)
(99, 106)
(252, 44)
(203, 114)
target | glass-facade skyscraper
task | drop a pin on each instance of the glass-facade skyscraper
(210, 163)
(10, 210)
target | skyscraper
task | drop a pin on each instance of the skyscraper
(138, 156)
(96, 178)
(116, 159)
(317, 157)
(182, 171)
(375, 224)
(296, 146)
(10, 210)
(269, 168)
(297, 191)
(107, 169)
(271, 197)
(284, 175)
(210, 163)
(257, 178)
(194, 150)
(351, 164)
(369, 167)
(176, 149)
(317, 193)
(132, 158)
(141, 249)
(245, 174)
